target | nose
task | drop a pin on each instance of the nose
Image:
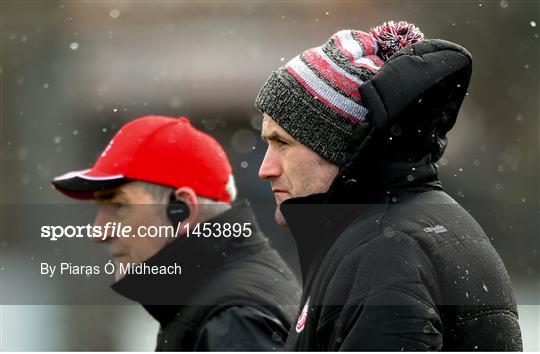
(271, 165)
(100, 221)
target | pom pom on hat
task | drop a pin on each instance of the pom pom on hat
(392, 36)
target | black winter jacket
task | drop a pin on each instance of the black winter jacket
(234, 294)
(413, 271)
(409, 269)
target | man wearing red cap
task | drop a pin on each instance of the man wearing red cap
(234, 291)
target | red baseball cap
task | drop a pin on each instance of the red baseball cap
(162, 150)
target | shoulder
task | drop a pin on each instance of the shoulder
(241, 328)
(387, 257)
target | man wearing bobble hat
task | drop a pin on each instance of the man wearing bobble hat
(390, 261)
(234, 292)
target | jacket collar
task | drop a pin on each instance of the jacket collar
(200, 258)
(395, 177)
(316, 224)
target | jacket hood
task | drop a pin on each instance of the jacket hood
(416, 96)
(413, 102)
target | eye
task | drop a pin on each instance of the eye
(280, 142)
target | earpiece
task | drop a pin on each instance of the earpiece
(177, 211)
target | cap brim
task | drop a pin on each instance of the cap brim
(82, 184)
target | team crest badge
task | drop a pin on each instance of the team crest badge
(302, 319)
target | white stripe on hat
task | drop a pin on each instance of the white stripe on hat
(354, 48)
(349, 44)
(81, 174)
(367, 62)
(328, 93)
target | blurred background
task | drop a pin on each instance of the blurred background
(73, 72)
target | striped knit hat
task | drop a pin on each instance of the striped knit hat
(315, 96)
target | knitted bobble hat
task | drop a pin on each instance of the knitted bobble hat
(315, 96)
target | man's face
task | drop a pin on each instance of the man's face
(292, 169)
(130, 204)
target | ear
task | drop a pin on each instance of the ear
(188, 196)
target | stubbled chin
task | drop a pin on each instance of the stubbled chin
(117, 274)
(281, 197)
(279, 217)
